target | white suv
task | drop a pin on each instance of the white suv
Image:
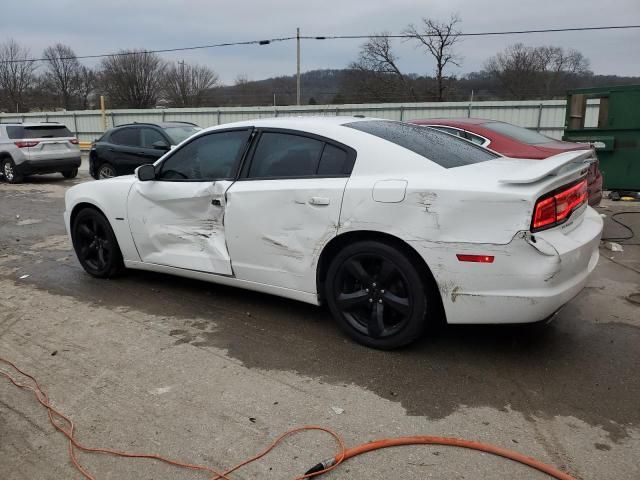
(39, 147)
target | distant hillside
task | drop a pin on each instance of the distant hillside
(319, 86)
(349, 86)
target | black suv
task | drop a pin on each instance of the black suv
(125, 147)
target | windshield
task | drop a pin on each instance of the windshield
(39, 131)
(521, 134)
(442, 148)
(178, 134)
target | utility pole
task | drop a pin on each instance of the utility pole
(298, 70)
(182, 87)
(103, 114)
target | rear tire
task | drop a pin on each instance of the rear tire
(106, 170)
(73, 173)
(10, 172)
(96, 245)
(376, 294)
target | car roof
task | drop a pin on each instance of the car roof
(453, 122)
(158, 124)
(296, 123)
(32, 124)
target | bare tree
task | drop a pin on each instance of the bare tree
(186, 85)
(133, 78)
(559, 65)
(62, 77)
(378, 70)
(438, 39)
(88, 81)
(527, 72)
(17, 73)
(516, 68)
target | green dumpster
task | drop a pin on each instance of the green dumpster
(609, 119)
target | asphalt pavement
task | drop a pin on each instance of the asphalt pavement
(211, 374)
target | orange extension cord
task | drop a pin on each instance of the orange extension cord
(65, 426)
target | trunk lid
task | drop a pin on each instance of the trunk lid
(497, 198)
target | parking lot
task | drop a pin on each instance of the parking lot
(210, 374)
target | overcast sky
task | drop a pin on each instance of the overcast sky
(91, 26)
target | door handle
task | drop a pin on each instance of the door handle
(319, 201)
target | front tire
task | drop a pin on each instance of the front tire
(377, 295)
(10, 172)
(73, 173)
(96, 245)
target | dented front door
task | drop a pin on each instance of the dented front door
(180, 224)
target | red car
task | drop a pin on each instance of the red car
(516, 142)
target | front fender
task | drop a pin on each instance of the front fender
(110, 197)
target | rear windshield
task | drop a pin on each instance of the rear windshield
(521, 134)
(39, 131)
(439, 147)
(178, 134)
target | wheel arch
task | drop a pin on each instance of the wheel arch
(332, 248)
(81, 206)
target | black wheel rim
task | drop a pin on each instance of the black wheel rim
(92, 244)
(373, 295)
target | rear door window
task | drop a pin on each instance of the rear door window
(39, 131)
(282, 155)
(129, 137)
(151, 136)
(441, 148)
(334, 161)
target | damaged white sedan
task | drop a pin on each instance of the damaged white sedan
(391, 224)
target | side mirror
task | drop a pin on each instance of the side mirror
(146, 173)
(160, 145)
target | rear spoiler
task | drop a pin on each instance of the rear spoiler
(553, 166)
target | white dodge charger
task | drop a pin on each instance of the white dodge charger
(391, 224)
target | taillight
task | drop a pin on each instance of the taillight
(26, 144)
(74, 141)
(554, 208)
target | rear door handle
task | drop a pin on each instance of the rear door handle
(319, 201)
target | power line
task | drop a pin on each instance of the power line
(476, 34)
(164, 50)
(323, 37)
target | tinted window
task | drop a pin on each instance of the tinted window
(281, 155)
(151, 136)
(126, 136)
(475, 138)
(441, 148)
(209, 157)
(178, 134)
(452, 131)
(40, 131)
(334, 161)
(520, 134)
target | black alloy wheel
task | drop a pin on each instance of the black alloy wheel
(377, 295)
(96, 245)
